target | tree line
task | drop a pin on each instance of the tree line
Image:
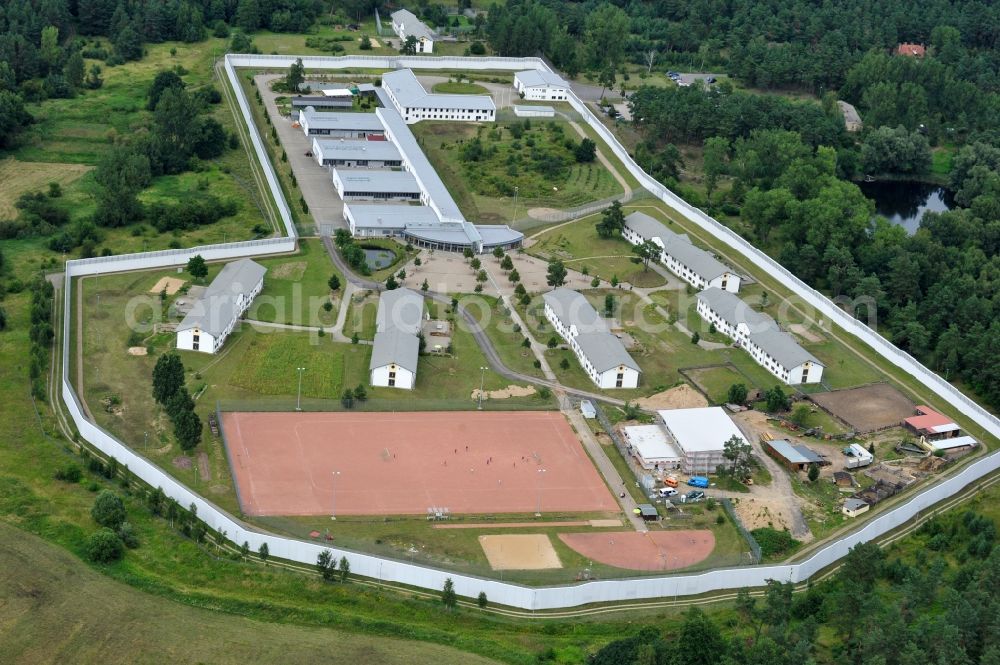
(924, 606)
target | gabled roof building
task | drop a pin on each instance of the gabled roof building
(772, 348)
(213, 317)
(396, 348)
(601, 354)
(538, 85)
(406, 24)
(694, 265)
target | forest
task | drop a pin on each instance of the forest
(788, 160)
(938, 604)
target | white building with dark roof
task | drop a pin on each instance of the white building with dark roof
(396, 349)
(694, 265)
(209, 322)
(539, 85)
(772, 348)
(406, 24)
(601, 354)
(356, 154)
(414, 103)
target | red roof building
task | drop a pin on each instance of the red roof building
(911, 50)
(930, 423)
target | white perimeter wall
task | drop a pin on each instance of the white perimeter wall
(514, 595)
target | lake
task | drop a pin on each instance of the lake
(378, 258)
(905, 202)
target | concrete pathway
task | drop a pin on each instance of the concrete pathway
(615, 482)
(345, 305)
(336, 337)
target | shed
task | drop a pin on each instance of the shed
(855, 507)
(794, 457)
(843, 479)
(648, 512)
(587, 409)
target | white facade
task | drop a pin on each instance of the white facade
(414, 103)
(701, 434)
(772, 349)
(602, 355)
(406, 24)
(695, 266)
(214, 315)
(196, 339)
(393, 376)
(536, 85)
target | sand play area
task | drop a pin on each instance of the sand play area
(681, 397)
(169, 284)
(504, 393)
(531, 551)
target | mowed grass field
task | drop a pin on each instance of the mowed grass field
(295, 288)
(578, 246)
(57, 609)
(17, 178)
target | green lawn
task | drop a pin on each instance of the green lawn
(539, 165)
(508, 342)
(96, 606)
(716, 381)
(578, 245)
(83, 129)
(361, 315)
(454, 88)
(295, 288)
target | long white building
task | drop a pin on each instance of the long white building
(406, 24)
(339, 125)
(601, 354)
(214, 315)
(701, 435)
(396, 348)
(692, 264)
(356, 154)
(414, 103)
(363, 183)
(538, 85)
(772, 348)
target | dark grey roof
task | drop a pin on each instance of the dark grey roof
(377, 181)
(782, 347)
(411, 94)
(411, 24)
(539, 77)
(764, 331)
(395, 347)
(605, 351)
(677, 246)
(217, 307)
(574, 310)
(850, 113)
(400, 309)
(854, 504)
(795, 454)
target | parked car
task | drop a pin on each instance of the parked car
(698, 481)
(673, 75)
(710, 79)
(666, 492)
(693, 496)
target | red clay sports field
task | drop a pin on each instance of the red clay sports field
(405, 463)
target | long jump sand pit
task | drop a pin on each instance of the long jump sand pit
(471, 462)
(653, 550)
(868, 408)
(532, 551)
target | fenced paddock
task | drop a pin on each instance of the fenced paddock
(868, 408)
(470, 462)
